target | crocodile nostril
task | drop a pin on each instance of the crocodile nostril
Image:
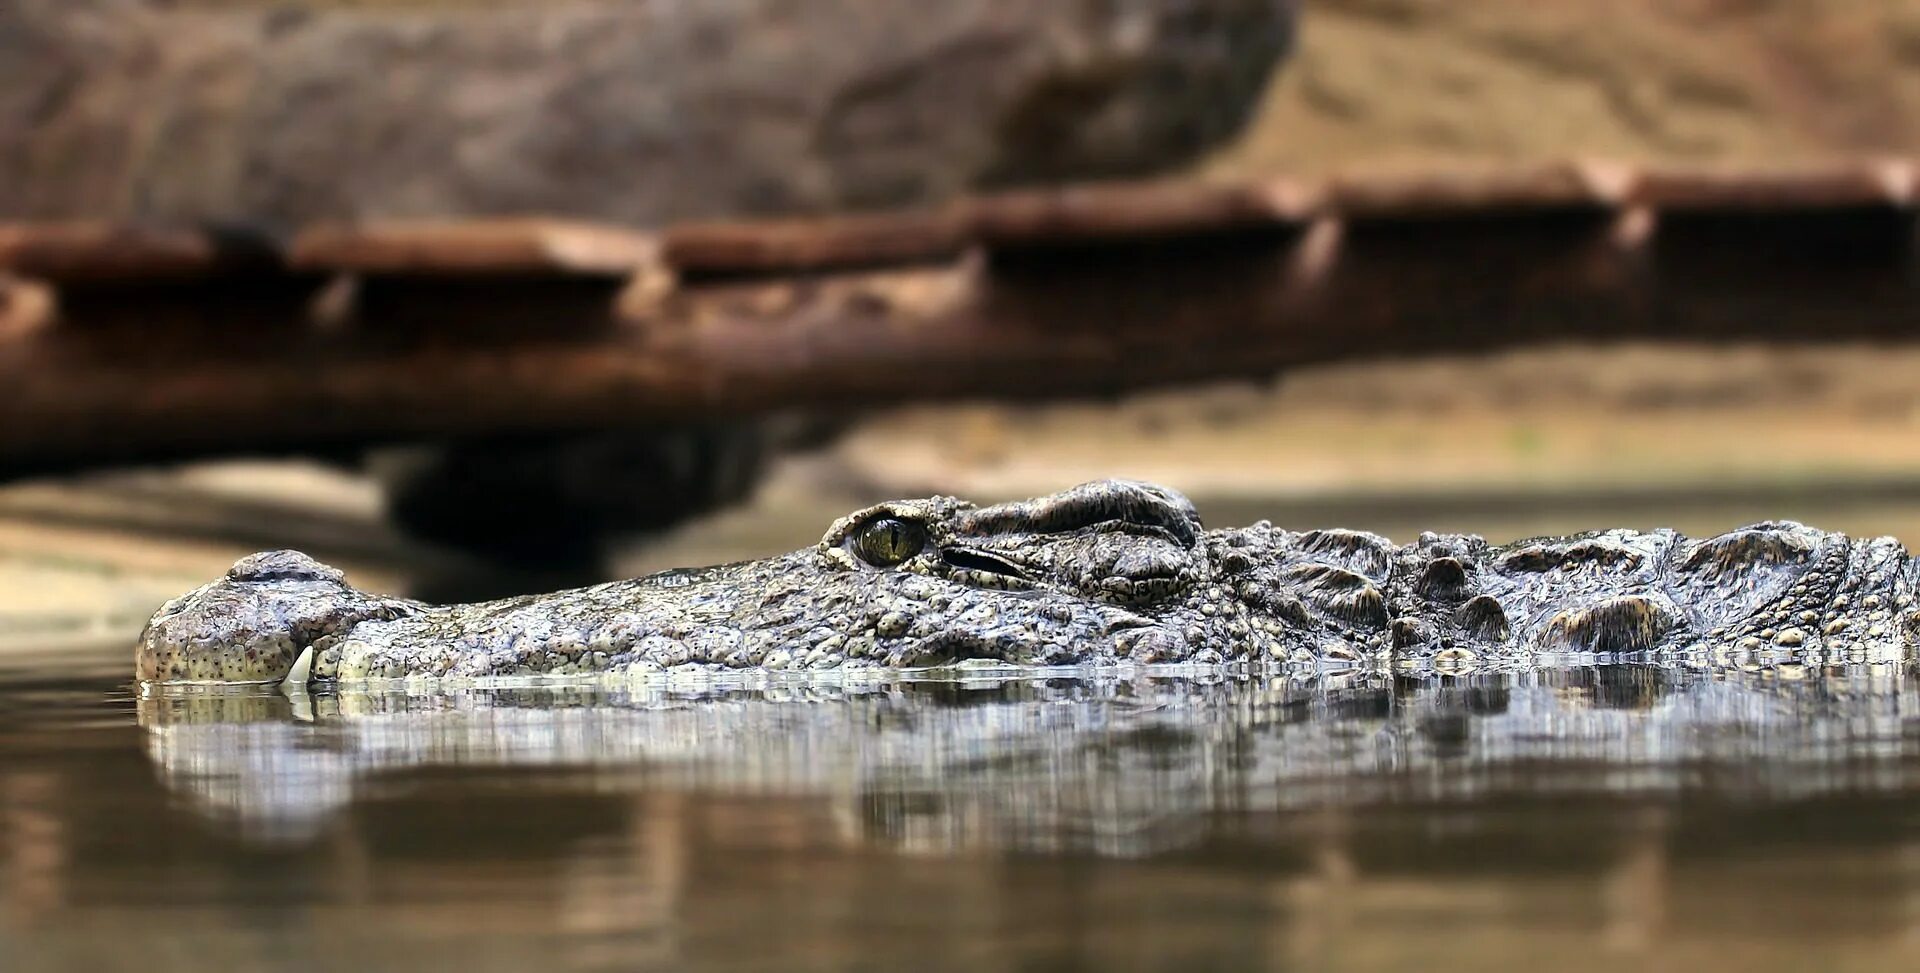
(283, 566)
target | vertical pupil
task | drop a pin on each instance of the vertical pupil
(889, 541)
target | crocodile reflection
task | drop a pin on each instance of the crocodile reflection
(1119, 766)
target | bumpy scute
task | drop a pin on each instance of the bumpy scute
(1629, 623)
(1106, 573)
(1483, 620)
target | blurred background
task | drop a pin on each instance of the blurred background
(125, 124)
(482, 296)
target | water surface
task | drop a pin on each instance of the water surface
(1589, 818)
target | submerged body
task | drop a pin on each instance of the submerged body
(1108, 572)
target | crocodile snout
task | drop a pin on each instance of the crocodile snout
(254, 624)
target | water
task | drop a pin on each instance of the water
(1597, 818)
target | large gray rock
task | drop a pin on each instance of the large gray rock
(638, 111)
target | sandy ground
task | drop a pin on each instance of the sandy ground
(1402, 82)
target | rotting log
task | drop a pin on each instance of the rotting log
(351, 335)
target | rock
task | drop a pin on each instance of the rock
(1428, 83)
(278, 113)
(258, 111)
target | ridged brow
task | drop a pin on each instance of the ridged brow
(1085, 506)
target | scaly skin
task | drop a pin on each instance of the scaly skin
(1106, 573)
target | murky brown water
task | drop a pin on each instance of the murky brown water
(1599, 818)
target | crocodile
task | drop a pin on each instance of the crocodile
(1108, 573)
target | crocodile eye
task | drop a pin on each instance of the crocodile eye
(887, 541)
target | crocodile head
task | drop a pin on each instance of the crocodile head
(1087, 575)
(1104, 572)
(255, 624)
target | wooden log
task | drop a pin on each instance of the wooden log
(800, 245)
(1446, 193)
(491, 248)
(84, 252)
(363, 343)
(1827, 186)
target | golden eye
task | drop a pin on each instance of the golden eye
(886, 541)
